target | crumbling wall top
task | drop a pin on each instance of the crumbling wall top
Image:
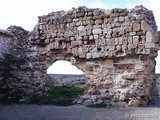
(139, 12)
(98, 33)
(6, 33)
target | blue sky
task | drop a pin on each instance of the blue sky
(118, 3)
(25, 13)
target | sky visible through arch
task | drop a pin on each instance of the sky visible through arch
(25, 13)
(63, 67)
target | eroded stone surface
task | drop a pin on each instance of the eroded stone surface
(116, 50)
(17, 76)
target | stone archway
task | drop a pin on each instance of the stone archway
(63, 73)
(116, 49)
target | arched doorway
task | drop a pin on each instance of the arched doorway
(63, 73)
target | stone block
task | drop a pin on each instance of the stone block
(91, 37)
(116, 41)
(125, 24)
(132, 18)
(74, 44)
(47, 41)
(121, 19)
(97, 31)
(104, 26)
(89, 55)
(143, 51)
(119, 47)
(114, 35)
(140, 17)
(140, 33)
(64, 45)
(86, 37)
(82, 33)
(134, 103)
(124, 47)
(141, 45)
(86, 22)
(108, 36)
(79, 23)
(120, 41)
(116, 19)
(156, 37)
(130, 41)
(115, 30)
(80, 49)
(81, 28)
(102, 42)
(126, 18)
(117, 25)
(135, 39)
(132, 46)
(56, 45)
(50, 46)
(107, 30)
(72, 38)
(82, 55)
(132, 33)
(109, 25)
(75, 51)
(96, 26)
(97, 55)
(98, 22)
(142, 39)
(106, 53)
(78, 37)
(68, 34)
(88, 27)
(94, 50)
(149, 45)
(96, 37)
(128, 29)
(149, 37)
(111, 48)
(69, 45)
(110, 54)
(125, 40)
(108, 42)
(145, 26)
(87, 102)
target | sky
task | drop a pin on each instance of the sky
(68, 69)
(25, 13)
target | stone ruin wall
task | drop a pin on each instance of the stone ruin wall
(17, 77)
(116, 50)
(4, 42)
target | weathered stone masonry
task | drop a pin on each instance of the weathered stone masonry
(17, 76)
(116, 50)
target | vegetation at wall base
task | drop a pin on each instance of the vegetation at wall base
(58, 95)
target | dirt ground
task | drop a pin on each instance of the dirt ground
(76, 112)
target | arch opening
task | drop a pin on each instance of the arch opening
(63, 73)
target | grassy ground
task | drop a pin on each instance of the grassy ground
(59, 95)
